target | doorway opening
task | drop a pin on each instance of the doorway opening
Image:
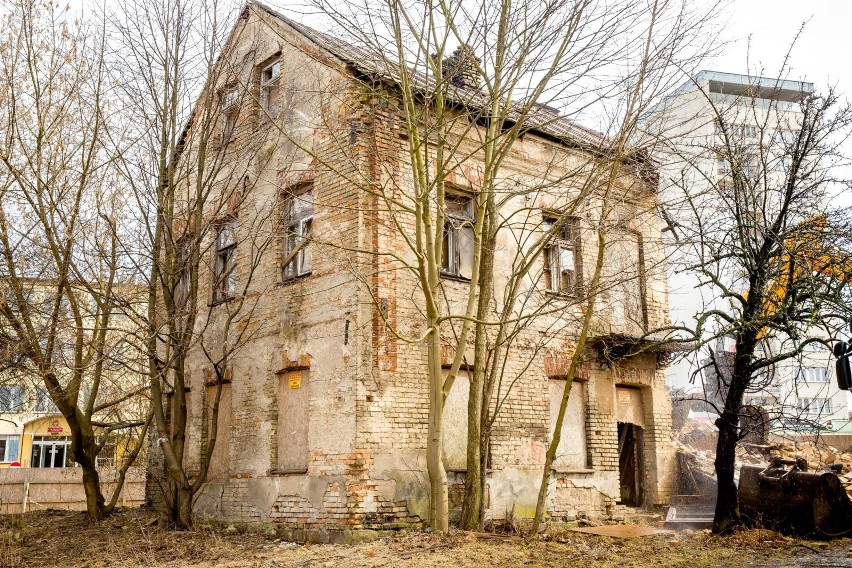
(630, 463)
(50, 451)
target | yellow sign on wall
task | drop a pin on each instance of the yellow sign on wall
(295, 380)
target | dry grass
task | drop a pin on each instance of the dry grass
(128, 539)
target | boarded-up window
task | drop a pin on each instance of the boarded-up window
(629, 406)
(218, 469)
(623, 283)
(571, 453)
(294, 389)
(455, 422)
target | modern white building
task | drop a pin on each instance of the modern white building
(763, 113)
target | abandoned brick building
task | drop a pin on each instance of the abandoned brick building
(323, 420)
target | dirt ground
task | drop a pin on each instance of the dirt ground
(129, 539)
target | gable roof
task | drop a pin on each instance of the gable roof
(540, 119)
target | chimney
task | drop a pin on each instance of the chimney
(461, 69)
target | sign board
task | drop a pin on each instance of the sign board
(54, 428)
(295, 380)
(629, 408)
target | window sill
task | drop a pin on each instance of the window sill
(562, 295)
(293, 279)
(574, 471)
(456, 277)
(221, 301)
(464, 470)
(282, 472)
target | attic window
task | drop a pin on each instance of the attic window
(269, 79)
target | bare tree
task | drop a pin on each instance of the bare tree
(64, 277)
(757, 230)
(193, 166)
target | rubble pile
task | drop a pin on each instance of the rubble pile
(695, 443)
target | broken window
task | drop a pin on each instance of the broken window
(229, 109)
(561, 256)
(269, 90)
(572, 452)
(225, 276)
(298, 222)
(457, 246)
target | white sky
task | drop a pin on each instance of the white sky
(821, 54)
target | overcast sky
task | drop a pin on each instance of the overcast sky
(821, 55)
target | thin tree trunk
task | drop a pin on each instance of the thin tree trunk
(550, 456)
(476, 472)
(439, 504)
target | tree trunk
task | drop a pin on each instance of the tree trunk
(183, 510)
(475, 480)
(92, 487)
(439, 503)
(83, 449)
(727, 515)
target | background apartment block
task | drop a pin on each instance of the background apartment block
(756, 111)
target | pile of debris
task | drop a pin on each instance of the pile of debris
(695, 443)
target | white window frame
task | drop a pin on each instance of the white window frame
(269, 79)
(817, 406)
(225, 265)
(43, 403)
(6, 453)
(812, 374)
(298, 226)
(455, 224)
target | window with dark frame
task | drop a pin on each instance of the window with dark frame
(561, 261)
(458, 240)
(269, 79)
(230, 105)
(225, 276)
(184, 252)
(298, 216)
(11, 398)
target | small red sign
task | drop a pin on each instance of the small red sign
(54, 427)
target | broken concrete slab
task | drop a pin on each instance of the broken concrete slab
(623, 531)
